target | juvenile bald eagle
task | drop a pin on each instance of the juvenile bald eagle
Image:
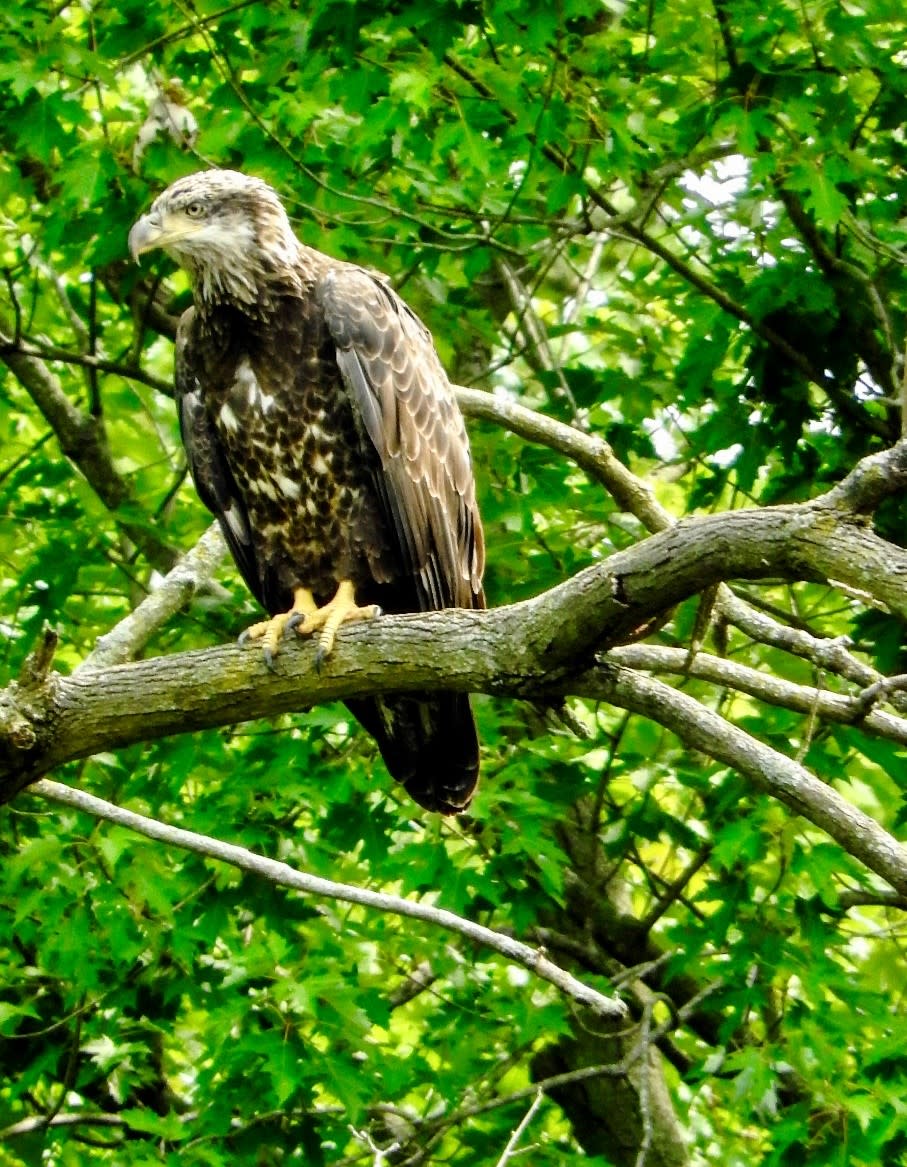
(321, 430)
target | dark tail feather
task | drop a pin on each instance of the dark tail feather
(428, 743)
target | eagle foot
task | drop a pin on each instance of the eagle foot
(342, 609)
(271, 632)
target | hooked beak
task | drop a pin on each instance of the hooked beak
(145, 235)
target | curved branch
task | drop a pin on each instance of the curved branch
(591, 453)
(514, 650)
(282, 875)
(83, 440)
(774, 773)
(541, 647)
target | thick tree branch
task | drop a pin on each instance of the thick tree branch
(514, 650)
(282, 875)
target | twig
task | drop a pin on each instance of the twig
(380, 1153)
(91, 362)
(39, 1122)
(282, 875)
(518, 1131)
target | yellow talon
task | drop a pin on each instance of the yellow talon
(271, 632)
(342, 609)
(306, 617)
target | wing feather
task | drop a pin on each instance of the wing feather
(208, 464)
(408, 411)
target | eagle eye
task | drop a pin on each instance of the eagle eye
(195, 210)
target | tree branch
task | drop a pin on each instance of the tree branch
(542, 647)
(513, 650)
(282, 875)
(773, 690)
(590, 453)
(774, 773)
(52, 352)
(191, 573)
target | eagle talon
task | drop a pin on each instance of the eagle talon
(271, 632)
(340, 610)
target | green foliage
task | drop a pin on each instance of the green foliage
(677, 227)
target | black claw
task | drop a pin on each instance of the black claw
(269, 659)
(320, 658)
(294, 621)
(243, 637)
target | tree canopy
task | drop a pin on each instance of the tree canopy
(661, 249)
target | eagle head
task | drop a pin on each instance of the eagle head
(229, 232)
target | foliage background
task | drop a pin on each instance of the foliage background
(676, 227)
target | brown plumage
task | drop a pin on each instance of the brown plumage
(322, 432)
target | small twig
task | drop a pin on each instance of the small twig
(879, 691)
(39, 1122)
(812, 719)
(38, 662)
(904, 397)
(95, 364)
(518, 1131)
(380, 1153)
(882, 898)
(645, 1103)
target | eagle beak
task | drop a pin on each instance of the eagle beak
(145, 235)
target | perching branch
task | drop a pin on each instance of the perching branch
(518, 650)
(544, 647)
(282, 875)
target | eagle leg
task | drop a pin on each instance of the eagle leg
(340, 610)
(271, 632)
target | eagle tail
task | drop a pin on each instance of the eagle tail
(429, 744)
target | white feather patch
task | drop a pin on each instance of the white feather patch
(287, 485)
(234, 521)
(228, 418)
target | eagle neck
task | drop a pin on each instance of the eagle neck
(257, 303)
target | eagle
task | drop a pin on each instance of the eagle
(321, 430)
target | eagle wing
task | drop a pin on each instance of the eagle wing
(208, 464)
(408, 411)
